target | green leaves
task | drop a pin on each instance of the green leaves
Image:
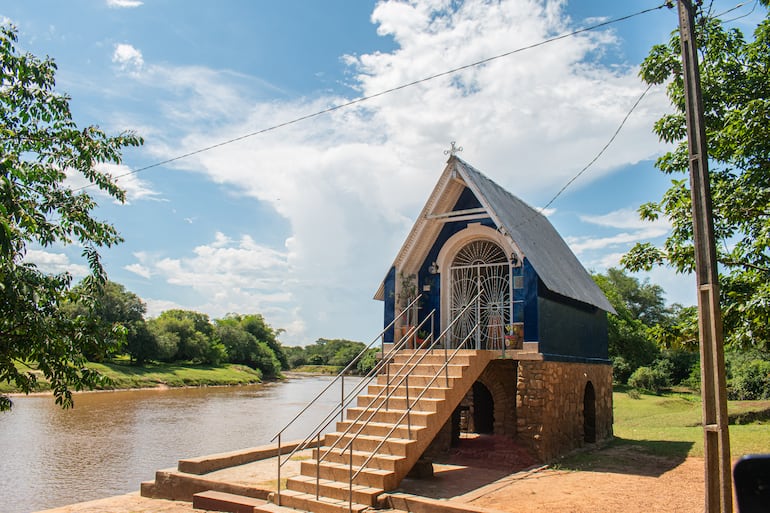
(40, 145)
(736, 96)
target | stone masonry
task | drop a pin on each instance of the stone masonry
(549, 405)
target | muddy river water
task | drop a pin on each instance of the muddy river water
(112, 441)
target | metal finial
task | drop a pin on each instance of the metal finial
(453, 150)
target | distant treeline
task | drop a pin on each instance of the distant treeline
(192, 337)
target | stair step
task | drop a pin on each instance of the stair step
(307, 502)
(220, 501)
(416, 418)
(379, 429)
(399, 402)
(399, 371)
(437, 356)
(395, 446)
(373, 477)
(422, 380)
(274, 508)
(334, 489)
(436, 392)
(378, 461)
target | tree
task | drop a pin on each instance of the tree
(736, 97)
(262, 331)
(634, 303)
(40, 145)
(115, 306)
(192, 333)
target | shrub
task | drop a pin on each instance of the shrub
(648, 380)
(676, 365)
(750, 380)
(621, 370)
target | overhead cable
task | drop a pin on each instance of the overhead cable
(385, 92)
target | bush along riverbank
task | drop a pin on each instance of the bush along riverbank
(122, 376)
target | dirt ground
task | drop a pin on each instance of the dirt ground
(625, 478)
(647, 483)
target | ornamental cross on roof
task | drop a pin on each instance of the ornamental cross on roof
(453, 150)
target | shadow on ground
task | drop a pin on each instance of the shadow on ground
(473, 463)
(650, 458)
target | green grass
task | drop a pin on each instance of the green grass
(124, 376)
(318, 369)
(659, 423)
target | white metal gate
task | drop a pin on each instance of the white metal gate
(481, 266)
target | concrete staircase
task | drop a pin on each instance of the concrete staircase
(378, 441)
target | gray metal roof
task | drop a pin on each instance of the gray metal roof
(541, 244)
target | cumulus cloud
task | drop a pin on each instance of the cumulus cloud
(135, 187)
(55, 263)
(350, 183)
(228, 275)
(128, 58)
(123, 4)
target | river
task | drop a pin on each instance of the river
(112, 441)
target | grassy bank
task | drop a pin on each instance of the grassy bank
(318, 369)
(124, 376)
(669, 426)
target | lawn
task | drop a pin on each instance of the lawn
(659, 421)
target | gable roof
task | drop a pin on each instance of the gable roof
(535, 236)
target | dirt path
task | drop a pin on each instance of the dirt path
(639, 488)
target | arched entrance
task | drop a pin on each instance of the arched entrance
(475, 414)
(483, 409)
(481, 266)
(589, 414)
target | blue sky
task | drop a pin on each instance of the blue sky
(302, 223)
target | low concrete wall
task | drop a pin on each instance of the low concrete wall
(205, 464)
(416, 504)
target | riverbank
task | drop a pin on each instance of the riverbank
(123, 376)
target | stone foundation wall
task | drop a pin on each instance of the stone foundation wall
(549, 405)
(500, 379)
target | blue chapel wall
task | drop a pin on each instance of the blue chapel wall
(389, 305)
(567, 330)
(571, 330)
(432, 298)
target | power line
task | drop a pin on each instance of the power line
(601, 152)
(384, 92)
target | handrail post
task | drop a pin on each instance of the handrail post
(342, 399)
(318, 465)
(350, 485)
(279, 471)
(446, 366)
(408, 410)
(387, 384)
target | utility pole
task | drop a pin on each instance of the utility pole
(716, 438)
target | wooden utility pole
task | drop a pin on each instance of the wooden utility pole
(716, 442)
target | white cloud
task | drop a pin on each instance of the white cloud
(134, 187)
(228, 275)
(349, 183)
(139, 269)
(626, 219)
(122, 4)
(128, 58)
(55, 263)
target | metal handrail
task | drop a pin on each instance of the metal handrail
(396, 424)
(404, 366)
(344, 400)
(384, 361)
(405, 377)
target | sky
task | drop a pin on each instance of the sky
(301, 222)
